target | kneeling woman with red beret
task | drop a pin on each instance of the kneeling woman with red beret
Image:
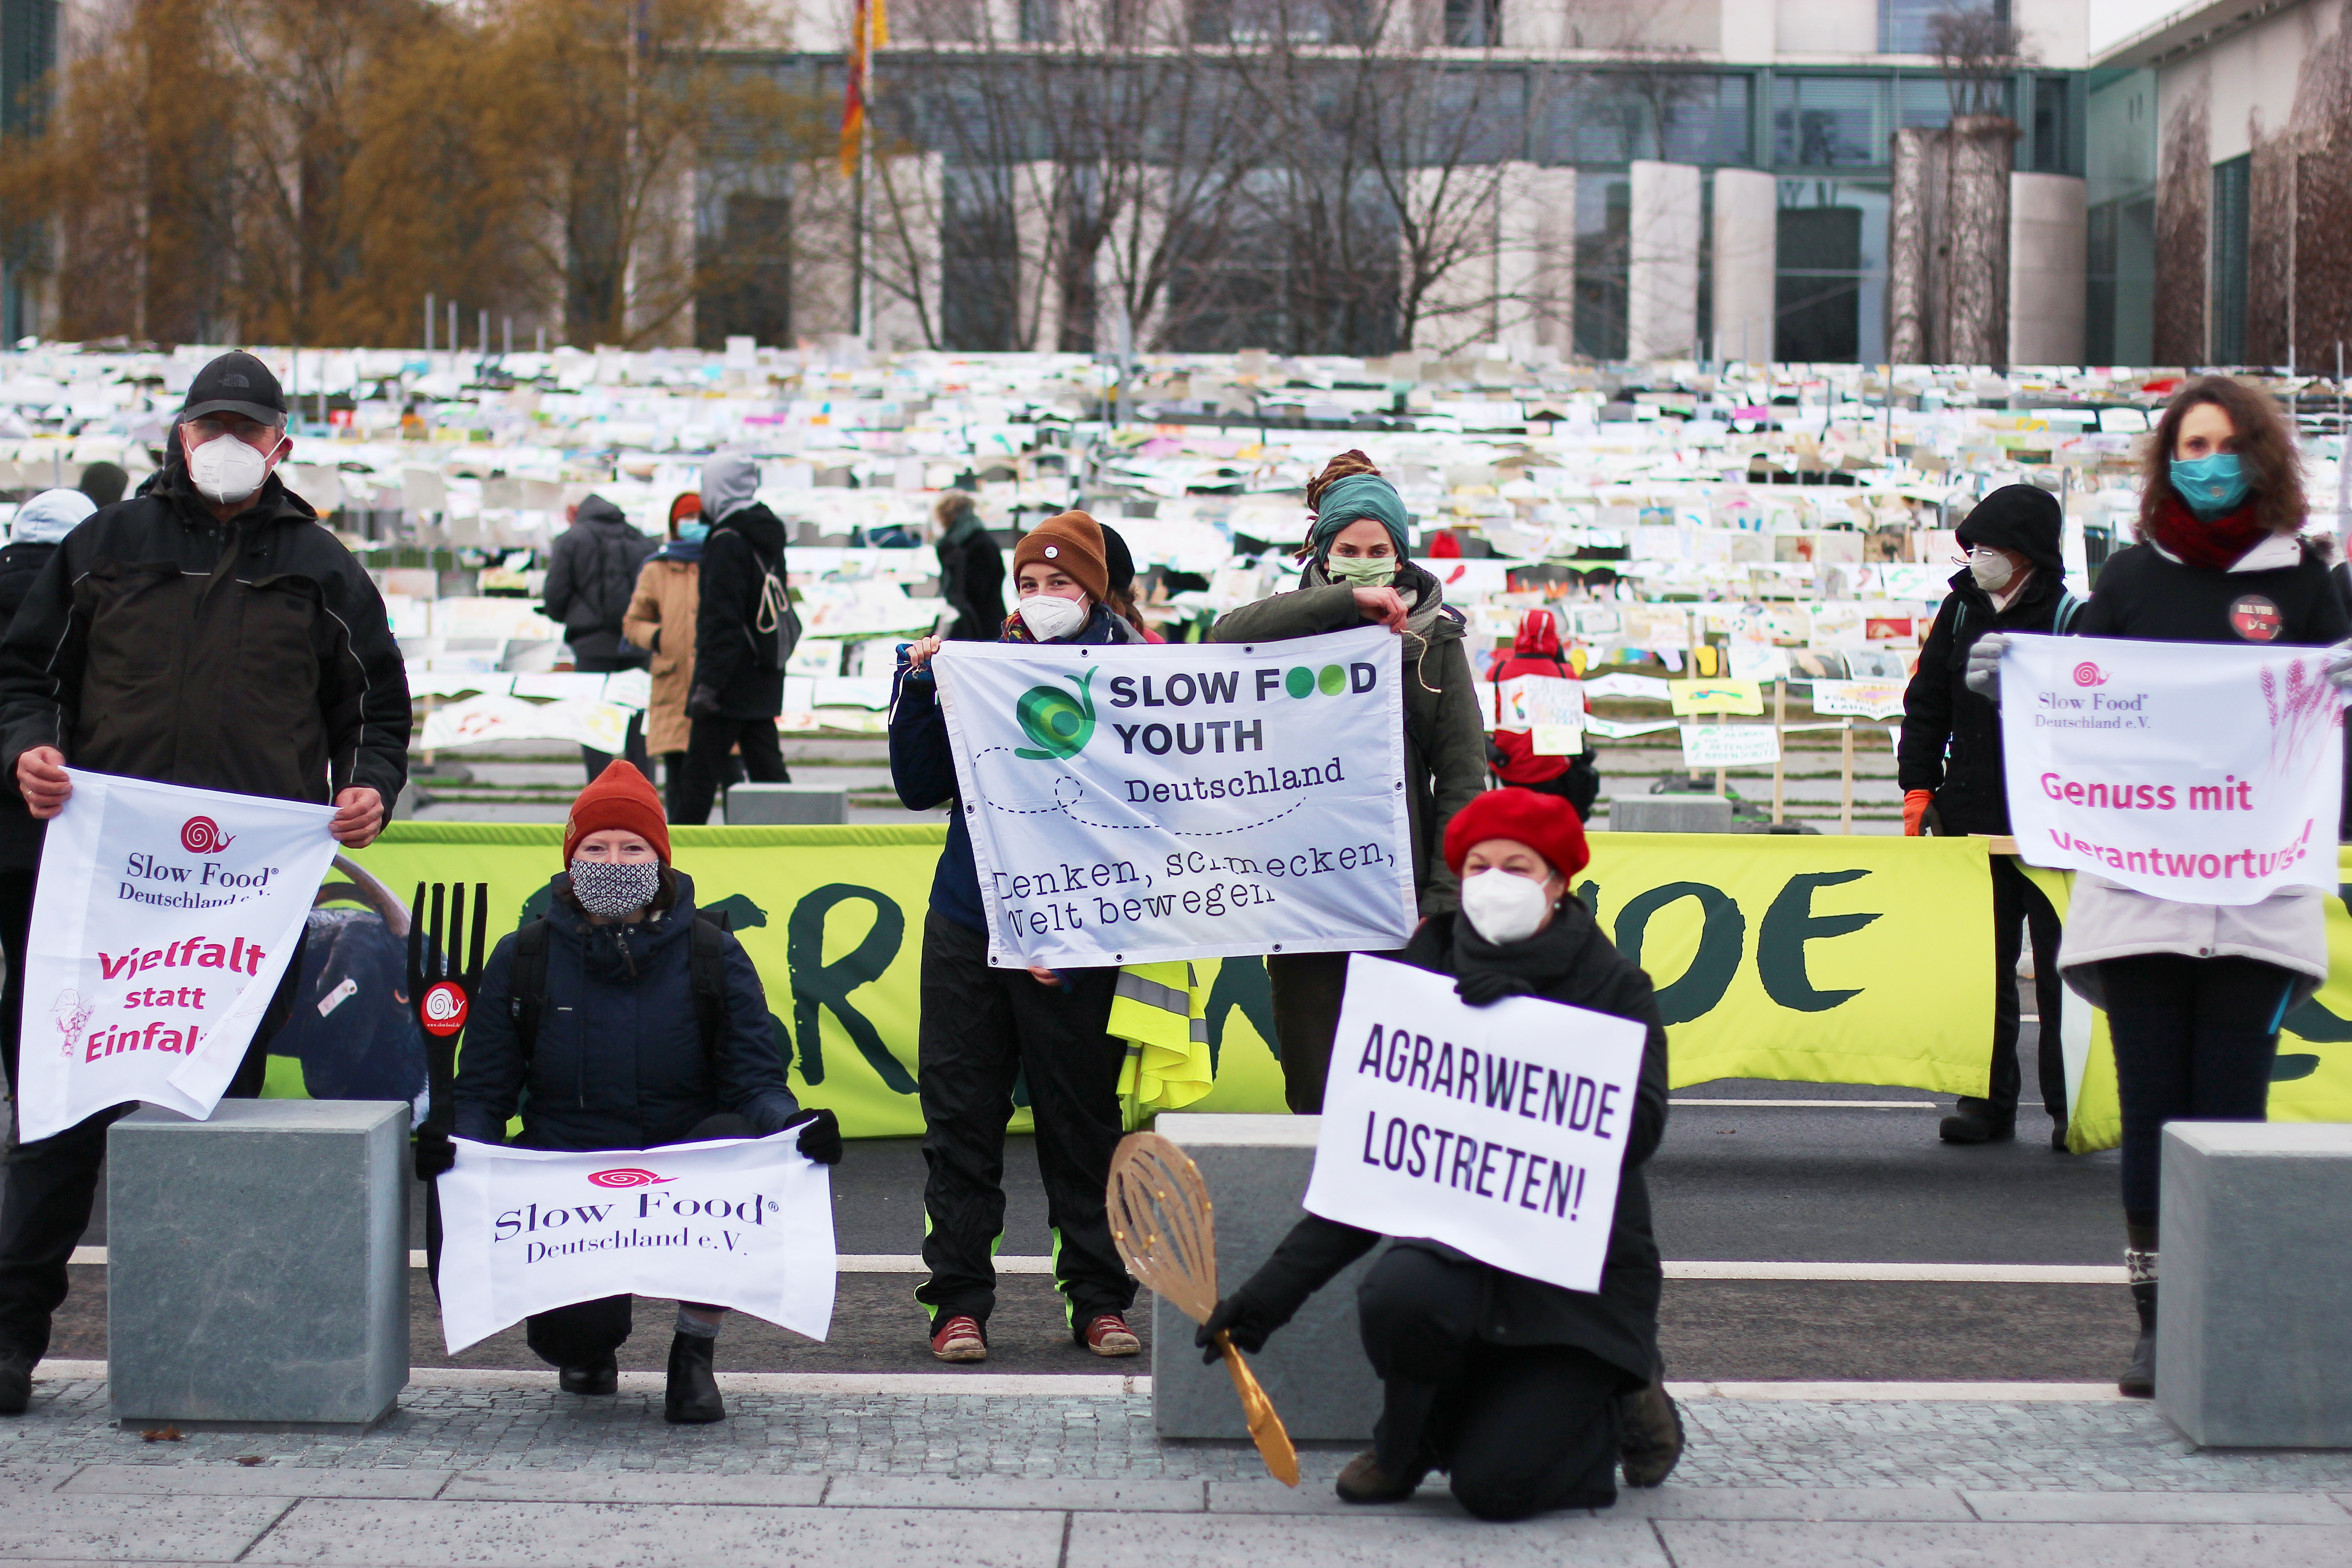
(1529, 1394)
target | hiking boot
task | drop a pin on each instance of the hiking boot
(959, 1339)
(1364, 1481)
(1649, 1436)
(600, 1376)
(2138, 1380)
(2058, 1137)
(1109, 1335)
(1976, 1121)
(692, 1396)
(16, 1381)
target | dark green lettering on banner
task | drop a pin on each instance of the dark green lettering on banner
(1721, 942)
(1790, 923)
(816, 983)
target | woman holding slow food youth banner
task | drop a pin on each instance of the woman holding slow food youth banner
(1357, 572)
(2194, 993)
(982, 1027)
(1530, 1395)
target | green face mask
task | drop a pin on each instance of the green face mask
(1362, 570)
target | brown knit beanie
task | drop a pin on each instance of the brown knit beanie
(1072, 543)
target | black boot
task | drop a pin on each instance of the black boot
(1976, 1121)
(602, 1376)
(693, 1393)
(16, 1381)
(1364, 1481)
(1649, 1436)
(2138, 1380)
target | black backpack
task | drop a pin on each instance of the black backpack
(527, 998)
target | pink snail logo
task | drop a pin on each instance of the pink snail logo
(201, 835)
(2089, 674)
(629, 1176)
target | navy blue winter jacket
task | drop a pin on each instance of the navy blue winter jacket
(619, 1061)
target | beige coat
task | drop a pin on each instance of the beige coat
(661, 618)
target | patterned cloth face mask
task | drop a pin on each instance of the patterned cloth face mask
(615, 886)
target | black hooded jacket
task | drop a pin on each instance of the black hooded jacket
(591, 573)
(1569, 960)
(20, 831)
(251, 655)
(733, 656)
(1952, 736)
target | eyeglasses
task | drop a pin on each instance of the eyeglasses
(252, 432)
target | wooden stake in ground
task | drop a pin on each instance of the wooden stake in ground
(1161, 1224)
(1845, 775)
(1720, 719)
(1780, 741)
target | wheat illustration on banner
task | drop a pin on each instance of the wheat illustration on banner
(1161, 1222)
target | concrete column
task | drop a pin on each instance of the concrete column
(1662, 285)
(1984, 150)
(907, 200)
(1137, 232)
(822, 249)
(1037, 218)
(1746, 263)
(1458, 308)
(1536, 257)
(2049, 245)
(1915, 203)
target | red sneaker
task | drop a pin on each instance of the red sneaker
(959, 1339)
(1109, 1335)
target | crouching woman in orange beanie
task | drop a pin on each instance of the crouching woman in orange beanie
(1530, 1395)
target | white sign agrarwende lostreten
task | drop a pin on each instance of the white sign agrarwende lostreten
(1138, 803)
(1499, 1131)
(162, 920)
(743, 1223)
(2198, 772)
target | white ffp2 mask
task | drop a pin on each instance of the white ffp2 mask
(1505, 908)
(227, 470)
(1991, 569)
(1048, 618)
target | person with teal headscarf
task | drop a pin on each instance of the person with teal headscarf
(1356, 571)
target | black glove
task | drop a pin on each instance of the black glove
(434, 1153)
(820, 1137)
(1484, 987)
(1233, 1316)
(703, 703)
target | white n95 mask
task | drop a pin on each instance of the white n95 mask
(1504, 908)
(227, 470)
(1048, 618)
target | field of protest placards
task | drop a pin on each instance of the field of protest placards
(161, 923)
(745, 1223)
(1499, 1131)
(1138, 804)
(2202, 772)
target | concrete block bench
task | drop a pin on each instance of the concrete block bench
(2253, 1326)
(1314, 1370)
(1669, 814)
(258, 1264)
(786, 804)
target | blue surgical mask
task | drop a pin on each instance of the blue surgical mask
(693, 532)
(2213, 485)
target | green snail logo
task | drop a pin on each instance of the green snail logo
(1059, 724)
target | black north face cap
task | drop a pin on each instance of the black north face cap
(236, 383)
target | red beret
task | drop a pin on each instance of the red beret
(621, 797)
(1544, 823)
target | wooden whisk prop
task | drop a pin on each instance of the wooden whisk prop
(1161, 1221)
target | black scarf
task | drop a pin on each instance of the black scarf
(1484, 971)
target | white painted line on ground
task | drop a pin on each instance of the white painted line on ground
(1999, 1393)
(847, 1262)
(1819, 1104)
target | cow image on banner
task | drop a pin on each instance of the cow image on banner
(1498, 1130)
(162, 920)
(2196, 771)
(1138, 805)
(740, 1223)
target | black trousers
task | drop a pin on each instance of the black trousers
(706, 760)
(2195, 1039)
(51, 1186)
(633, 745)
(982, 1028)
(1519, 1430)
(588, 1332)
(1306, 988)
(2015, 899)
(16, 930)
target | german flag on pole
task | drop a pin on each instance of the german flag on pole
(870, 30)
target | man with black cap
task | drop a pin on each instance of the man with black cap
(206, 632)
(1950, 769)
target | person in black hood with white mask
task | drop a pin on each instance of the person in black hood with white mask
(1949, 764)
(739, 637)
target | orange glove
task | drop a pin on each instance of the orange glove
(1916, 803)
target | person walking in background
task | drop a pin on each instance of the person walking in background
(2195, 993)
(1948, 762)
(1356, 573)
(40, 526)
(207, 633)
(661, 620)
(972, 570)
(591, 575)
(103, 483)
(982, 1028)
(1512, 752)
(741, 623)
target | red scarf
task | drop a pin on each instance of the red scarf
(2214, 546)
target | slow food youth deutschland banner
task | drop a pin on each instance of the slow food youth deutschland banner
(162, 920)
(2201, 773)
(1140, 803)
(745, 1223)
(1500, 1131)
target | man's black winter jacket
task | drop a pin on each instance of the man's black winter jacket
(591, 573)
(732, 655)
(1940, 711)
(251, 655)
